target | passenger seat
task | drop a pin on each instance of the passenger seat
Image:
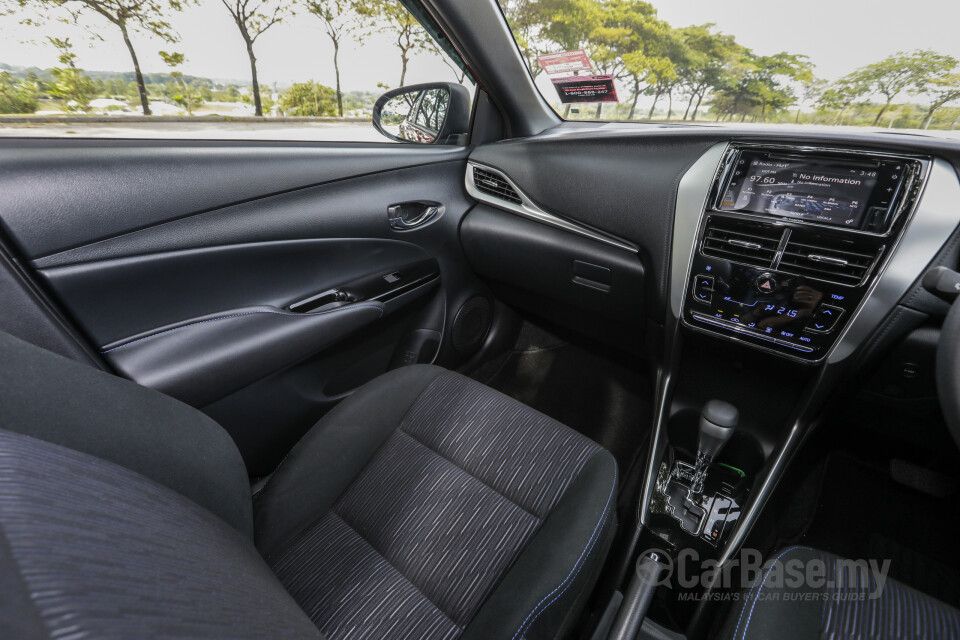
(423, 506)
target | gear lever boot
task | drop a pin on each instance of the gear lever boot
(718, 420)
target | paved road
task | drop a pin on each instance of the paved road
(332, 131)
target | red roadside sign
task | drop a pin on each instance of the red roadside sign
(565, 62)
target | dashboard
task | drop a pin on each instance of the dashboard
(796, 231)
(776, 268)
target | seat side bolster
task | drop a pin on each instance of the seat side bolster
(759, 614)
(317, 471)
(537, 596)
(58, 400)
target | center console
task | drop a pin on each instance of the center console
(791, 241)
(786, 261)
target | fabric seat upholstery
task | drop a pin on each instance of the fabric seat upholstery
(846, 600)
(424, 506)
(456, 482)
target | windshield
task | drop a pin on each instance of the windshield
(820, 62)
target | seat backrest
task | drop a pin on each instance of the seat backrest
(90, 549)
(58, 400)
(123, 513)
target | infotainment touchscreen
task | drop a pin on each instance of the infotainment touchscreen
(833, 192)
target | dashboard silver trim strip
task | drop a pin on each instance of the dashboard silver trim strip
(936, 216)
(692, 194)
(529, 209)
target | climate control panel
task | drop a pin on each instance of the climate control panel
(795, 315)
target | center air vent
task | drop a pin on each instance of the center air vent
(494, 185)
(748, 242)
(827, 258)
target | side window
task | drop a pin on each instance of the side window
(269, 69)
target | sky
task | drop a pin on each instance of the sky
(838, 35)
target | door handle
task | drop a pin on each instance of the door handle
(410, 215)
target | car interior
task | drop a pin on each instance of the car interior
(500, 375)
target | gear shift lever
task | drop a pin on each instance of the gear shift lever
(718, 420)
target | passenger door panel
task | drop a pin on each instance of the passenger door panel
(180, 262)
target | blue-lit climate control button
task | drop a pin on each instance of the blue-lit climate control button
(825, 319)
(703, 289)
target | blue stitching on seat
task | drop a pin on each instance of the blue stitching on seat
(246, 313)
(575, 571)
(757, 597)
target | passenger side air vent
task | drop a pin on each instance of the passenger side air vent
(745, 241)
(829, 258)
(492, 184)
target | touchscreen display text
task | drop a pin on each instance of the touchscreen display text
(834, 194)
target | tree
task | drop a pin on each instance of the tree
(843, 93)
(145, 16)
(941, 90)
(309, 99)
(17, 96)
(710, 55)
(253, 18)
(266, 98)
(628, 40)
(810, 92)
(895, 74)
(392, 18)
(185, 96)
(772, 72)
(339, 18)
(665, 77)
(758, 84)
(572, 24)
(70, 84)
(527, 19)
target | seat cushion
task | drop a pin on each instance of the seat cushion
(846, 600)
(406, 512)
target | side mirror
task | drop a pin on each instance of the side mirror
(433, 113)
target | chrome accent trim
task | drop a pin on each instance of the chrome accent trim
(692, 194)
(529, 209)
(837, 261)
(745, 244)
(732, 326)
(784, 241)
(936, 216)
